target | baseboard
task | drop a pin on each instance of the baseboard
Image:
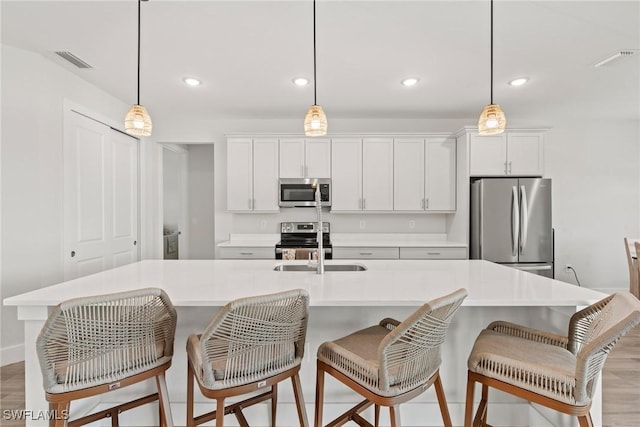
(12, 354)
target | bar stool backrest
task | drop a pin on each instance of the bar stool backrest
(593, 331)
(101, 339)
(254, 338)
(410, 354)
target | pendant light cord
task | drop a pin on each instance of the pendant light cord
(491, 51)
(314, 54)
(139, 2)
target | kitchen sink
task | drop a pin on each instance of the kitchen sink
(327, 267)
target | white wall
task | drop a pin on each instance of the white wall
(201, 202)
(171, 188)
(596, 182)
(33, 92)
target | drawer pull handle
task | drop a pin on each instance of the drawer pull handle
(433, 253)
(366, 253)
(246, 253)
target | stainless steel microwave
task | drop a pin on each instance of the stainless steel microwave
(301, 192)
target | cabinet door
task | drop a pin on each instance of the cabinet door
(488, 155)
(525, 154)
(292, 158)
(265, 174)
(377, 174)
(346, 174)
(239, 174)
(318, 158)
(409, 174)
(440, 181)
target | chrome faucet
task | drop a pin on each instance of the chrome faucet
(319, 238)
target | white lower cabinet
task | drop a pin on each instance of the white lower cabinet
(433, 253)
(366, 252)
(248, 252)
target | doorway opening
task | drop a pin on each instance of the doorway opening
(188, 201)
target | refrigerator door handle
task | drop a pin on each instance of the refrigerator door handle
(515, 220)
(524, 217)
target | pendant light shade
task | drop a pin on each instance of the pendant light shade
(315, 121)
(137, 122)
(492, 119)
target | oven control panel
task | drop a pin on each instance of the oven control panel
(302, 227)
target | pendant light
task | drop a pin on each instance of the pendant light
(137, 121)
(492, 120)
(315, 121)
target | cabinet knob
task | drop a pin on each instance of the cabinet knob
(73, 253)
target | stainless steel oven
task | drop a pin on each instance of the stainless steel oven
(298, 240)
(301, 192)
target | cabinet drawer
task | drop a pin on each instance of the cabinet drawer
(262, 252)
(366, 253)
(433, 253)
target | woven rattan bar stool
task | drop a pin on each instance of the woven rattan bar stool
(94, 345)
(389, 363)
(554, 371)
(252, 344)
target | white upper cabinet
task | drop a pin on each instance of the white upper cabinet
(305, 158)
(362, 174)
(514, 153)
(440, 176)
(409, 174)
(252, 174)
(346, 177)
(525, 154)
(425, 174)
(377, 174)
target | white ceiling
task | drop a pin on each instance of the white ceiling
(247, 53)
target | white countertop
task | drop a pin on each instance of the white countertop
(410, 240)
(251, 240)
(385, 283)
(418, 240)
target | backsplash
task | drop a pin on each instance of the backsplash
(342, 223)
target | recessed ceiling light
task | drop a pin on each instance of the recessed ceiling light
(411, 81)
(519, 81)
(300, 81)
(191, 81)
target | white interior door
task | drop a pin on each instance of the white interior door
(100, 197)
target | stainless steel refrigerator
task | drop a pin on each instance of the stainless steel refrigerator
(511, 223)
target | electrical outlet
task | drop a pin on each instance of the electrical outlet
(363, 224)
(412, 224)
(567, 268)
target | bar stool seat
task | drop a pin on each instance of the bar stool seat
(94, 345)
(389, 363)
(251, 345)
(555, 371)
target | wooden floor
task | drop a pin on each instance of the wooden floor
(620, 386)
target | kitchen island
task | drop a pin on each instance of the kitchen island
(340, 302)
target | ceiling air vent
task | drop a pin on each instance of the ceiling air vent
(73, 59)
(621, 54)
